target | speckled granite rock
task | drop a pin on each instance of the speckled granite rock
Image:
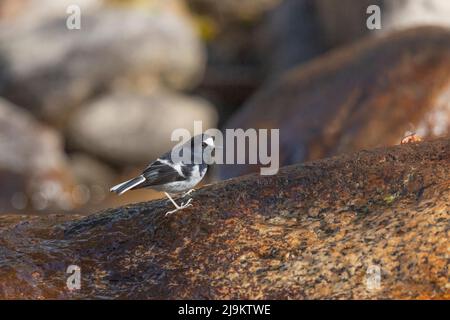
(313, 231)
(361, 96)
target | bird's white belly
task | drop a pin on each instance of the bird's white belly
(178, 186)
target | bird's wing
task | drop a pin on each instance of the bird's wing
(162, 172)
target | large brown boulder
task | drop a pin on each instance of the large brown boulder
(361, 96)
(372, 224)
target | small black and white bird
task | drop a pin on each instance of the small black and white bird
(174, 176)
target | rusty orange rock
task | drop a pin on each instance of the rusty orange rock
(313, 231)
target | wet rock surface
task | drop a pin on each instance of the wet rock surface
(361, 96)
(312, 231)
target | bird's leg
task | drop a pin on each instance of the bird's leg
(177, 207)
(187, 193)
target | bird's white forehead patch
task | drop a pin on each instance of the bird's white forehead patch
(209, 141)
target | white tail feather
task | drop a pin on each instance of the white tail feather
(127, 185)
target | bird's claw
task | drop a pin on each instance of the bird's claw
(187, 193)
(180, 207)
(187, 204)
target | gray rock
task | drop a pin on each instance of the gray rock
(127, 128)
(30, 12)
(93, 177)
(33, 168)
(91, 172)
(411, 13)
(50, 69)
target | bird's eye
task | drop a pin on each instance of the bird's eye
(204, 144)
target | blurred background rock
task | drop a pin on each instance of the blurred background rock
(83, 109)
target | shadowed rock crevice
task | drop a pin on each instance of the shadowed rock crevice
(311, 231)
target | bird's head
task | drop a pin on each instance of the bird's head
(206, 152)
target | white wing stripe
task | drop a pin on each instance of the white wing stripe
(177, 167)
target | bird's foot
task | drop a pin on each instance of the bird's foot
(181, 207)
(187, 204)
(187, 193)
(178, 207)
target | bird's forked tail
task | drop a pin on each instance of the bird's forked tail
(127, 185)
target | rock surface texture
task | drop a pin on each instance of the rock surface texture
(311, 232)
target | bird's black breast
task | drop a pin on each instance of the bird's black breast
(190, 169)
